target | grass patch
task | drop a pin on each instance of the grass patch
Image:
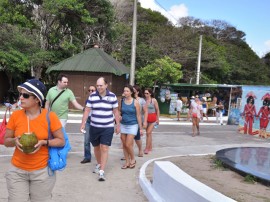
(250, 179)
(217, 164)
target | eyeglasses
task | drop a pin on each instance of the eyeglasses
(25, 95)
(90, 90)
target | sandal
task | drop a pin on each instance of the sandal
(146, 151)
(125, 166)
(132, 165)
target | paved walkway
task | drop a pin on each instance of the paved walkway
(78, 183)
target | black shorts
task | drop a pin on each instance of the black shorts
(138, 136)
(101, 136)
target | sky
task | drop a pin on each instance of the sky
(249, 16)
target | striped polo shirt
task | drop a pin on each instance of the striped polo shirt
(102, 109)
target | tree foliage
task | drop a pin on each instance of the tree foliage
(35, 34)
(161, 71)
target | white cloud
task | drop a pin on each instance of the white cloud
(173, 14)
(267, 44)
(179, 11)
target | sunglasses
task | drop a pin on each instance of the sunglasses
(91, 90)
(25, 95)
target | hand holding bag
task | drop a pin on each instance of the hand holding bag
(58, 155)
(3, 127)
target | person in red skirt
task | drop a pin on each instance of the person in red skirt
(263, 114)
(249, 113)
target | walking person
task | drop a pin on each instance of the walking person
(179, 105)
(28, 178)
(214, 106)
(129, 125)
(219, 112)
(204, 108)
(103, 106)
(191, 100)
(58, 98)
(87, 145)
(144, 113)
(152, 118)
(196, 114)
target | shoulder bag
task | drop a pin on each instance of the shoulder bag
(57, 97)
(57, 155)
(3, 127)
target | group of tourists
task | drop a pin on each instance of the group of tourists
(28, 179)
(128, 116)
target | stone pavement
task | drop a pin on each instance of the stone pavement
(171, 138)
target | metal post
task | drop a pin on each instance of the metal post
(133, 46)
(199, 62)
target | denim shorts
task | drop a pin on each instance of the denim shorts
(129, 129)
(101, 136)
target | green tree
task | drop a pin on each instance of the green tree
(161, 71)
(15, 48)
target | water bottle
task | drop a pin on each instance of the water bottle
(156, 125)
(83, 131)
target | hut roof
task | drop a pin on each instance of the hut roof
(91, 60)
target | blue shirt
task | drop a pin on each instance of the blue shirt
(129, 116)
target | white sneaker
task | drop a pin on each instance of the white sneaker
(101, 176)
(97, 168)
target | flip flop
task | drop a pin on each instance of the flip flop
(132, 165)
(125, 166)
(123, 159)
(140, 155)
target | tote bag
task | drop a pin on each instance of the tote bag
(57, 155)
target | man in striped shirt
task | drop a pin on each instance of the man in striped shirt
(103, 105)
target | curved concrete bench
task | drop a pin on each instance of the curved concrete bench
(171, 184)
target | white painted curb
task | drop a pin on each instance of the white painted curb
(154, 195)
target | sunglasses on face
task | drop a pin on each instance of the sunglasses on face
(25, 95)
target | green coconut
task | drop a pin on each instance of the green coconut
(28, 142)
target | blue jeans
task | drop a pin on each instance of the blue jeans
(87, 146)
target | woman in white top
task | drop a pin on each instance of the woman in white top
(196, 114)
(179, 105)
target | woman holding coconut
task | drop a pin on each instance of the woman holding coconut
(28, 178)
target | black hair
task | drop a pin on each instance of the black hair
(150, 91)
(130, 87)
(266, 102)
(60, 77)
(250, 98)
(139, 90)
